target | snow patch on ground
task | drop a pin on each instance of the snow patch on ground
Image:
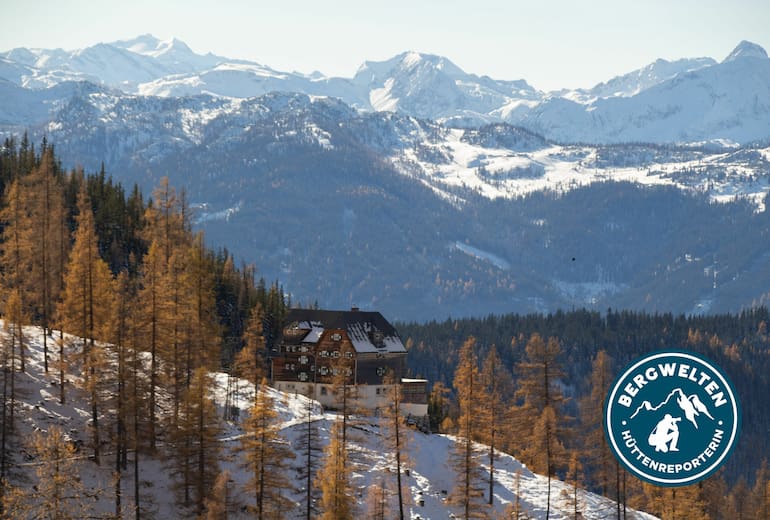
(430, 479)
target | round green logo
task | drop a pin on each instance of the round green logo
(672, 418)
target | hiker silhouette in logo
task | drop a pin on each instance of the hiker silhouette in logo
(666, 434)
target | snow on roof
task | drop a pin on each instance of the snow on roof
(369, 332)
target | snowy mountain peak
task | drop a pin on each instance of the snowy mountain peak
(747, 49)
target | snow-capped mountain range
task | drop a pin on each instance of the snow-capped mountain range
(688, 100)
(470, 179)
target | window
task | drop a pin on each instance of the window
(302, 376)
(323, 390)
(336, 336)
(303, 348)
(348, 354)
(324, 353)
(303, 360)
(324, 371)
(336, 353)
(380, 371)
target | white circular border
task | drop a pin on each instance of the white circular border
(619, 452)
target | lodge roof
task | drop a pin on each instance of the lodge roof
(368, 331)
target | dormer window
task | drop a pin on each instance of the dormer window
(378, 338)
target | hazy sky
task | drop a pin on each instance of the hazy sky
(550, 43)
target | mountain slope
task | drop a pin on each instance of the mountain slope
(428, 481)
(729, 101)
(421, 220)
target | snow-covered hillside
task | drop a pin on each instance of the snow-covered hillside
(685, 100)
(430, 478)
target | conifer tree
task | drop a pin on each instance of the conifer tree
(266, 454)
(607, 469)
(377, 499)
(217, 504)
(194, 443)
(540, 411)
(58, 492)
(13, 326)
(396, 437)
(85, 310)
(250, 361)
(307, 446)
(14, 255)
(468, 493)
(153, 317)
(44, 199)
(572, 497)
(496, 390)
(11, 338)
(760, 492)
(337, 500)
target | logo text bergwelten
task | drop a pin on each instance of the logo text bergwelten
(672, 418)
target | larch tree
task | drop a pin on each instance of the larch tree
(58, 492)
(539, 413)
(607, 471)
(760, 492)
(218, 503)
(194, 445)
(308, 446)
(14, 255)
(121, 341)
(250, 361)
(85, 310)
(497, 389)
(468, 493)
(573, 500)
(11, 339)
(44, 199)
(153, 318)
(14, 329)
(267, 456)
(337, 499)
(396, 436)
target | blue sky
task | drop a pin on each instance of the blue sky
(550, 43)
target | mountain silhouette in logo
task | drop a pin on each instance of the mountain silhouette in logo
(691, 406)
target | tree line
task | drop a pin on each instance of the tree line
(533, 386)
(137, 314)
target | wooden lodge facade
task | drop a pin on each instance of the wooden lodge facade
(321, 350)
